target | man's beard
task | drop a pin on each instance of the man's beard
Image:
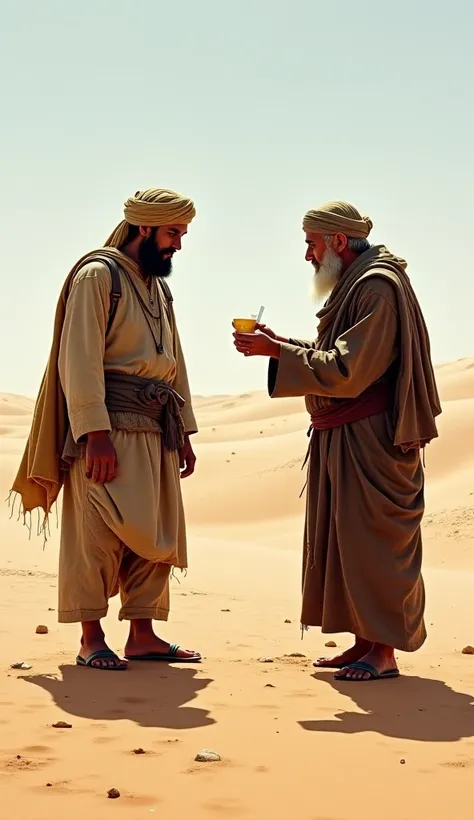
(326, 275)
(155, 262)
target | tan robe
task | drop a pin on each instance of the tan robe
(362, 546)
(140, 513)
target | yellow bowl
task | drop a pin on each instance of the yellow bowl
(244, 325)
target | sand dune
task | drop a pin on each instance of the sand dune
(292, 742)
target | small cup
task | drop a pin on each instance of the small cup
(244, 325)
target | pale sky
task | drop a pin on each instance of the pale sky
(258, 110)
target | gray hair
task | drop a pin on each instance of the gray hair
(357, 246)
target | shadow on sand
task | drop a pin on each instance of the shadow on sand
(410, 707)
(147, 695)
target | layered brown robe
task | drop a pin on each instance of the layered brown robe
(365, 490)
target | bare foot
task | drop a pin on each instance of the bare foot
(355, 653)
(380, 657)
(143, 641)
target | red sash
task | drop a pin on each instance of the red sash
(376, 399)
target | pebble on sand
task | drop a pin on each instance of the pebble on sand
(287, 621)
(207, 756)
(42, 630)
(61, 724)
(468, 650)
(113, 794)
(331, 644)
(265, 660)
(139, 751)
(20, 665)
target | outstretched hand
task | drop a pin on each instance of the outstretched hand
(257, 344)
(267, 330)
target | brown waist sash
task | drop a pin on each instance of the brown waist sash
(376, 399)
(149, 397)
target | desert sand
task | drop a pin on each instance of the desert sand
(293, 741)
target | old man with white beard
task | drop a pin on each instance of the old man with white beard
(371, 395)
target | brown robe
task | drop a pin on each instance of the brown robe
(365, 491)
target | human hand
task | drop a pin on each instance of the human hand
(270, 333)
(266, 330)
(101, 458)
(257, 344)
(187, 458)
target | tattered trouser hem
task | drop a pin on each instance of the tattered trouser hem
(77, 616)
(150, 613)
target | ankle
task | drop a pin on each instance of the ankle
(384, 650)
(92, 631)
(362, 643)
(141, 628)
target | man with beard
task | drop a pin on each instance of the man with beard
(112, 424)
(371, 395)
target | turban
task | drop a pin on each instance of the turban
(156, 206)
(337, 217)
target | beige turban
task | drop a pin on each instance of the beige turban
(337, 217)
(156, 206)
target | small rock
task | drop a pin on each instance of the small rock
(331, 644)
(49, 785)
(20, 665)
(403, 761)
(265, 660)
(113, 794)
(207, 756)
(62, 725)
(468, 650)
(139, 751)
(50, 609)
(42, 630)
(225, 610)
(288, 621)
(270, 686)
(295, 655)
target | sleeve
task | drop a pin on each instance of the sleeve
(81, 353)
(361, 355)
(181, 383)
(302, 343)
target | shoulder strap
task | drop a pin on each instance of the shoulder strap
(115, 290)
(167, 294)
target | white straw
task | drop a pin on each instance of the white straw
(260, 314)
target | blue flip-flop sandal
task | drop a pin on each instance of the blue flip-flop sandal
(171, 656)
(363, 666)
(104, 655)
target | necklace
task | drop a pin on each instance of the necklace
(158, 342)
